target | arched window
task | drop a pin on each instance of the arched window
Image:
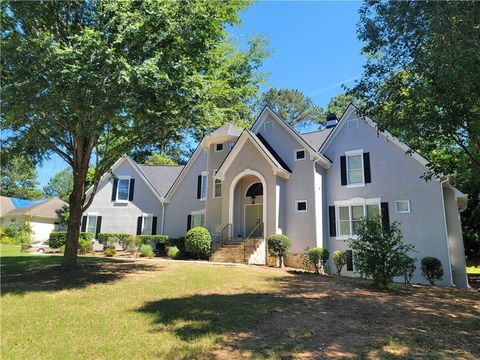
(255, 190)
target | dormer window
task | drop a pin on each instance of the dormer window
(218, 147)
(300, 154)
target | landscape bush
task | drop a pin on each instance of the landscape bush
(432, 269)
(17, 233)
(62, 249)
(59, 238)
(339, 258)
(107, 238)
(317, 258)
(153, 239)
(146, 251)
(174, 253)
(408, 267)
(198, 241)
(179, 243)
(279, 246)
(109, 250)
(379, 250)
(84, 246)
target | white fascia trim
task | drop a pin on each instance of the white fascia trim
(91, 214)
(358, 201)
(183, 173)
(314, 155)
(247, 135)
(198, 212)
(354, 152)
(373, 124)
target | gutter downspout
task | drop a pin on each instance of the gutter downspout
(446, 231)
(162, 224)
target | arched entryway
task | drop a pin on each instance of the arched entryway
(248, 204)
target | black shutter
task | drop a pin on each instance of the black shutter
(189, 222)
(349, 260)
(385, 215)
(366, 168)
(343, 169)
(132, 187)
(99, 226)
(139, 225)
(114, 189)
(331, 214)
(154, 225)
(84, 224)
(199, 187)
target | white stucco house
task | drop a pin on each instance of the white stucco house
(247, 184)
(42, 215)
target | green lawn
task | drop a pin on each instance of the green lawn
(149, 310)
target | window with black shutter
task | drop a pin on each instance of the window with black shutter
(349, 260)
(332, 221)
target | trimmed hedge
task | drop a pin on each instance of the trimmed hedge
(432, 269)
(198, 241)
(153, 239)
(126, 241)
(59, 238)
(279, 245)
(316, 257)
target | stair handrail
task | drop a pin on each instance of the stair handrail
(259, 225)
(222, 237)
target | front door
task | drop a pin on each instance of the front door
(253, 219)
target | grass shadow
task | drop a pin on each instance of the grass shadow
(23, 274)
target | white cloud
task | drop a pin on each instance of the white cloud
(334, 86)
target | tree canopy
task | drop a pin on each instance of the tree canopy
(159, 159)
(60, 185)
(92, 80)
(19, 179)
(293, 106)
(422, 82)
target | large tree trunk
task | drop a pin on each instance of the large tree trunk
(81, 161)
(73, 231)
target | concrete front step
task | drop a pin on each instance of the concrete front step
(236, 251)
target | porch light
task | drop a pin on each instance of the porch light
(253, 199)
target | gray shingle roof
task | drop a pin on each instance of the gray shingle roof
(162, 177)
(317, 138)
(227, 130)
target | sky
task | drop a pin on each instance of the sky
(313, 44)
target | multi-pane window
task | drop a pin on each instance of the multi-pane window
(147, 225)
(91, 224)
(122, 189)
(218, 188)
(198, 220)
(350, 216)
(203, 189)
(354, 169)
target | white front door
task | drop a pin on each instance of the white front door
(253, 217)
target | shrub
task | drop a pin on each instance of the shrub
(153, 239)
(407, 266)
(316, 257)
(198, 241)
(339, 258)
(379, 250)
(59, 238)
(84, 246)
(18, 232)
(106, 238)
(174, 253)
(179, 243)
(146, 251)
(432, 269)
(109, 250)
(279, 245)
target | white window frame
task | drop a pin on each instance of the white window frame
(268, 125)
(122, 178)
(204, 186)
(399, 211)
(352, 121)
(296, 154)
(296, 206)
(198, 213)
(92, 214)
(351, 154)
(349, 203)
(146, 215)
(215, 182)
(216, 147)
